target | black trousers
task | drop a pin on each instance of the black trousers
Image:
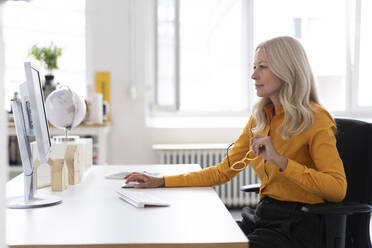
(276, 224)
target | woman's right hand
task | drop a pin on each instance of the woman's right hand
(144, 181)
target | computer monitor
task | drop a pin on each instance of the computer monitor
(31, 120)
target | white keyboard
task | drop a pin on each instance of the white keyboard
(140, 199)
(122, 174)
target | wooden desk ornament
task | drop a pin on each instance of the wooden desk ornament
(63, 171)
(59, 175)
(73, 164)
(36, 178)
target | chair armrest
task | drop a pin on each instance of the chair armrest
(251, 188)
(342, 208)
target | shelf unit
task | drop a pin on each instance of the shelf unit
(99, 133)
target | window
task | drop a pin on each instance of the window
(319, 32)
(42, 22)
(207, 47)
(207, 40)
(204, 51)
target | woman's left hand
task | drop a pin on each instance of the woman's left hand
(263, 147)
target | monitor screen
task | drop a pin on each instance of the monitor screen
(39, 89)
(39, 118)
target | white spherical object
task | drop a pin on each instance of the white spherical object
(64, 108)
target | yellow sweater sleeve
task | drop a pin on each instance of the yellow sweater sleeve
(218, 174)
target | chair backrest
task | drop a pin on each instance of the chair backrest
(354, 143)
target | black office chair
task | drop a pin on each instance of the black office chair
(347, 223)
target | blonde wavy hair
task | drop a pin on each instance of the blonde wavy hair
(287, 59)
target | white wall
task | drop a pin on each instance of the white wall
(3, 150)
(119, 40)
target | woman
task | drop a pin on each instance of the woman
(290, 143)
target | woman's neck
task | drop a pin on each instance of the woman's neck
(276, 103)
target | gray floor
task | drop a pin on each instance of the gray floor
(235, 213)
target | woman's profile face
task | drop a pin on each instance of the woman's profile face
(266, 83)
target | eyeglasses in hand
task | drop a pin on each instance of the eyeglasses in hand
(249, 156)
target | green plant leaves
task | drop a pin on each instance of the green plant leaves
(47, 55)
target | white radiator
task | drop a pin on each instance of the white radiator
(207, 155)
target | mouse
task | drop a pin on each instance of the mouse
(129, 185)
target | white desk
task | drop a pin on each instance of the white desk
(92, 215)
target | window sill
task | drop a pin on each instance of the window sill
(197, 122)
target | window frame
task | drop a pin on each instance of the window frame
(176, 105)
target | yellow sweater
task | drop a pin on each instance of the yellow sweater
(314, 172)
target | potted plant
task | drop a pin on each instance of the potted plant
(48, 56)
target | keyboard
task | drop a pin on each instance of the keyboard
(122, 174)
(141, 199)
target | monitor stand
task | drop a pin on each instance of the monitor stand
(20, 203)
(28, 200)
